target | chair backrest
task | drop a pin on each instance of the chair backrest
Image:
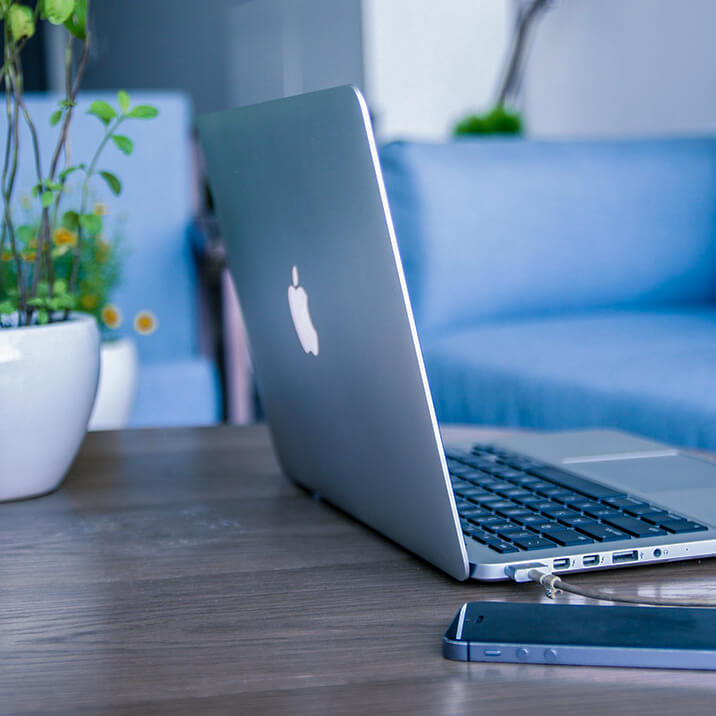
(506, 227)
(153, 213)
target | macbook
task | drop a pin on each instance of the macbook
(306, 221)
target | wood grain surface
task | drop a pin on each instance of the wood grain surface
(177, 572)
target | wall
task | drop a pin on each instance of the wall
(623, 67)
(428, 63)
(285, 47)
(146, 44)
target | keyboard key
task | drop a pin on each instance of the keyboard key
(534, 542)
(638, 508)
(546, 526)
(507, 532)
(503, 547)
(471, 492)
(560, 513)
(566, 497)
(514, 492)
(682, 526)
(576, 501)
(529, 499)
(496, 526)
(516, 512)
(634, 527)
(487, 499)
(568, 538)
(594, 509)
(501, 505)
(474, 512)
(656, 516)
(601, 533)
(574, 482)
(544, 505)
(619, 502)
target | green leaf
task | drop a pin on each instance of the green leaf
(123, 143)
(91, 223)
(36, 190)
(77, 22)
(123, 99)
(65, 173)
(58, 11)
(143, 111)
(70, 220)
(25, 233)
(46, 198)
(43, 317)
(114, 184)
(54, 185)
(21, 21)
(7, 307)
(55, 118)
(59, 287)
(103, 111)
(36, 302)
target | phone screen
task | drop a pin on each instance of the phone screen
(575, 625)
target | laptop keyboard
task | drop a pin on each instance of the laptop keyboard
(512, 503)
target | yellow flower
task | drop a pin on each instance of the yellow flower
(32, 243)
(29, 256)
(100, 209)
(89, 301)
(103, 251)
(64, 237)
(6, 256)
(111, 316)
(145, 323)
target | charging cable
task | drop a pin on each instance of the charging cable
(538, 572)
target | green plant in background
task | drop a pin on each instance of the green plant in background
(497, 121)
(63, 260)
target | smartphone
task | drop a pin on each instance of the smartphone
(651, 637)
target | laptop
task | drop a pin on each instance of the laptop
(301, 204)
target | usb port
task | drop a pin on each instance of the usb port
(561, 563)
(590, 560)
(619, 557)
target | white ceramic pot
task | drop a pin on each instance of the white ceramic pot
(48, 381)
(119, 371)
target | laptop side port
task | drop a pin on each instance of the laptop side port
(620, 557)
(561, 563)
(590, 560)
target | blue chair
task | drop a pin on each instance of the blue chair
(564, 284)
(178, 385)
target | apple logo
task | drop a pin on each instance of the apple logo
(298, 303)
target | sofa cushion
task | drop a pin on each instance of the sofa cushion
(650, 372)
(177, 393)
(508, 227)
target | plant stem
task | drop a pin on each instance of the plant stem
(43, 239)
(111, 129)
(525, 19)
(8, 183)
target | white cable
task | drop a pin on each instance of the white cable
(552, 584)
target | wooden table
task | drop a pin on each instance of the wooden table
(178, 572)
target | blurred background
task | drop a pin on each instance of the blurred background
(617, 97)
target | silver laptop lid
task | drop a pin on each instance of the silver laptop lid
(302, 207)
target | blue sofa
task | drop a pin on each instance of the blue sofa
(564, 284)
(178, 385)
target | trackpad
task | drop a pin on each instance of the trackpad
(679, 482)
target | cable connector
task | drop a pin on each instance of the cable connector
(521, 572)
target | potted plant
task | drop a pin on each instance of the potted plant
(49, 349)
